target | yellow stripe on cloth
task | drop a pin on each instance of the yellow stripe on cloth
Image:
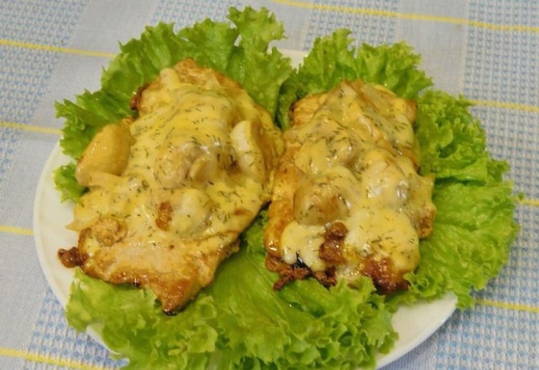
(57, 49)
(501, 104)
(409, 16)
(44, 359)
(15, 230)
(508, 306)
(32, 128)
(529, 202)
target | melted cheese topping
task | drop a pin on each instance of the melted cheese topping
(199, 168)
(354, 159)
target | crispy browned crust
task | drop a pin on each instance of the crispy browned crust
(134, 103)
(383, 275)
(330, 252)
(287, 273)
(164, 215)
(331, 249)
(298, 271)
(327, 277)
(71, 257)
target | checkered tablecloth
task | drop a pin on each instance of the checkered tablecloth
(487, 50)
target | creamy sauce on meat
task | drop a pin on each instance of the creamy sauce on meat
(198, 168)
(354, 162)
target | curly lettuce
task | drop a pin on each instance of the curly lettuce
(64, 178)
(239, 321)
(474, 226)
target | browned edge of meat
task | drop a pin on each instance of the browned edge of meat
(164, 215)
(71, 257)
(134, 103)
(330, 253)
(383, 277)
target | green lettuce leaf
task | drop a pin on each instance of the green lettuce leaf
(470, 242)
(261, 73)
(333, 59)
(132, 324)
(474, 226)
(452, 141)
(239, 321)
(64, 178)
(239, 50)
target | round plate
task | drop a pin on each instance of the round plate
(413, 323)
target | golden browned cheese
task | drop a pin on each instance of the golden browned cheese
(171, 191)
(347, 198)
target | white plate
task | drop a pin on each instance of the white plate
(414, 324)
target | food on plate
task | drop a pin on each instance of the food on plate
(348, 200)
(171, 190)
(239, 321)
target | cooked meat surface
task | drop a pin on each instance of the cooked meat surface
(171, 190)
(348, 199)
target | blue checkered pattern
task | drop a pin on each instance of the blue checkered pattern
(365, 28)
(488, 338)
(517, 282)
(483, 64)
(185, 13)
(52, 336)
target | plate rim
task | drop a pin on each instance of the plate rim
(36, 224)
